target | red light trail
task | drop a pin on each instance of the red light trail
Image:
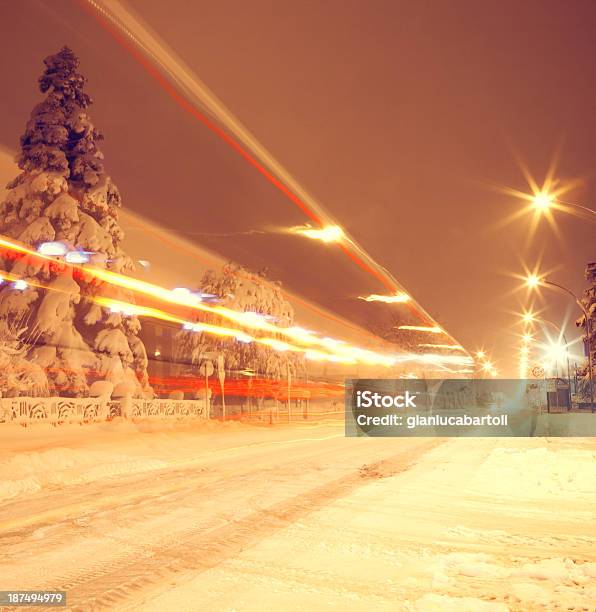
(98, 14)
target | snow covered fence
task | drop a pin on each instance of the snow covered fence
(271, 411)
(164, 409)
(83, 410)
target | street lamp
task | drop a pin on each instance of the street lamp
(532, 280)
(543, 281)
(528, 317)
(542, 200)
(486, 365)
(562, 335)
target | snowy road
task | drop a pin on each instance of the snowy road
(252, 518)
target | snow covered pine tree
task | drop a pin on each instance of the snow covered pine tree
(243, 291)
(63, 194)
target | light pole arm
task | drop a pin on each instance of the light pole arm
(568, 291)
(557, 328)
(590, 211)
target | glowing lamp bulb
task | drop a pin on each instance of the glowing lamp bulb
(528, 317)
(542, 201)
(532, 280)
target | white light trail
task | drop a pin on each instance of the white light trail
(199, 95)
(398, 298)
(451, 347)
(422, 328)
(329, 233)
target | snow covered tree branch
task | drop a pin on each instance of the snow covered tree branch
(243, 291)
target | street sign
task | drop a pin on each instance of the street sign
(206, 368)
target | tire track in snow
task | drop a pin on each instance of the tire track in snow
(203, 547)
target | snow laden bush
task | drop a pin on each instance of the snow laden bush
(240, 290)
(63, 194)
(18, 375)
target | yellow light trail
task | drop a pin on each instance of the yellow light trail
(156, 313)
(249, 320)
(341, 350)
(398, 298)
(452, 347)
(437, 358)
(433, 330)
(329, 233)
(195, 97)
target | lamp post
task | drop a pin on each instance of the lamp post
(562, 333)
(534, 281)
(542, 202)
(588, 332)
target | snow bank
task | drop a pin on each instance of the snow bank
(443, 603)
(40, 456)
(557, 570)
(537, 472)
(541, 582)
(30, 472)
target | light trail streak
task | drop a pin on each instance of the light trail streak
(452, 347)
(256, 387)
(342, 352)
(435, 329)
(246, 319)
(398, 298)
(442, 359)
(217, 330)
(329, 233)
(190, 251)
(140, 42)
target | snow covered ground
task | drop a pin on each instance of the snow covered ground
(237, 517)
